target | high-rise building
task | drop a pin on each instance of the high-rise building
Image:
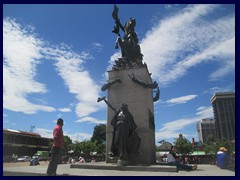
(206, 128)
(224, 113)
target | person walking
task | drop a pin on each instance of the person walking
(58, 144)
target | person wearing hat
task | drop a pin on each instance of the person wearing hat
(223, 160)
(58, 145)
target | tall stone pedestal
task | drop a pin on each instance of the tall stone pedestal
(140, 104)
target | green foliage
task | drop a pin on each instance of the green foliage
(183, 145)
(212, 146)
(99, 137)
(99, 134)
(84, 148)
(101, 149)
(67, 144)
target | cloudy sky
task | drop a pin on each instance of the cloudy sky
(55, 59)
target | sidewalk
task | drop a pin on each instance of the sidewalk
(65, 170)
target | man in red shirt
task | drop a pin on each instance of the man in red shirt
(58, 144)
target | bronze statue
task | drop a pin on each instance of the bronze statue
(110, 83)
(157, 95)
(129, 44)
(125, 141)
(142, 83)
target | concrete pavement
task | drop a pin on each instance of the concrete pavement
(65, 170)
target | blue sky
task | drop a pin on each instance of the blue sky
(55, 59)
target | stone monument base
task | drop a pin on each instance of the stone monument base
(140, 104)
(115, 166)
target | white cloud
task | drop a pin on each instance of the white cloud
(181, 100)
(70, 67)
(91, 120)
(172, 129)
(185, 40)
(44, 132)
(79, 137)
(74, 137)
(65, 109)
(21, 54)
(205, 112)
(98, 46)
(213, 90)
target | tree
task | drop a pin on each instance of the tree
(212, 146)
(67, 144)
(183, 145)
(84, 148)
(99, 137)
(99, 134)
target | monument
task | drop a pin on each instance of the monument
(130, 134)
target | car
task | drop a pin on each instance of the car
(24, 159)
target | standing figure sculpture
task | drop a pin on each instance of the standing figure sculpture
(125, 141)
(124, 126)
(129, 44)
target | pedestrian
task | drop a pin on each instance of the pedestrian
(34, 162)
(172, 159)
(223, 159)
(58, 144)
(93, 160)
(82, 160)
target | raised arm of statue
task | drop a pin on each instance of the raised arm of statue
(157, 95)
(142, 83)
(110, 83)
(117, 20)
(108, 104)
(115, 12)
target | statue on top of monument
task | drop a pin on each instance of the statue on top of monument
(129, 43)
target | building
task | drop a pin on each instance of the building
(206, 128)
(165, 146)
(224, 113)
(23, 143)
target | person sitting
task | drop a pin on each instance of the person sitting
(34, 162)
(223, 160)
(172, 159)
(81, 160)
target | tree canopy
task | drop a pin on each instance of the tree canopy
(183, 145)
(99, 134)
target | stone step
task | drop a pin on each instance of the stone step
(108, 166)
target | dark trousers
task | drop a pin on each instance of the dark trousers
(182, 166)
(52, 167)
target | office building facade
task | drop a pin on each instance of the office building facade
(206, 128)
(224, 113)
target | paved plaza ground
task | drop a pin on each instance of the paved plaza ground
(23, 169)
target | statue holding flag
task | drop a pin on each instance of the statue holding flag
(130, 48)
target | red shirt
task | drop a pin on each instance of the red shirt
(58, 137)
